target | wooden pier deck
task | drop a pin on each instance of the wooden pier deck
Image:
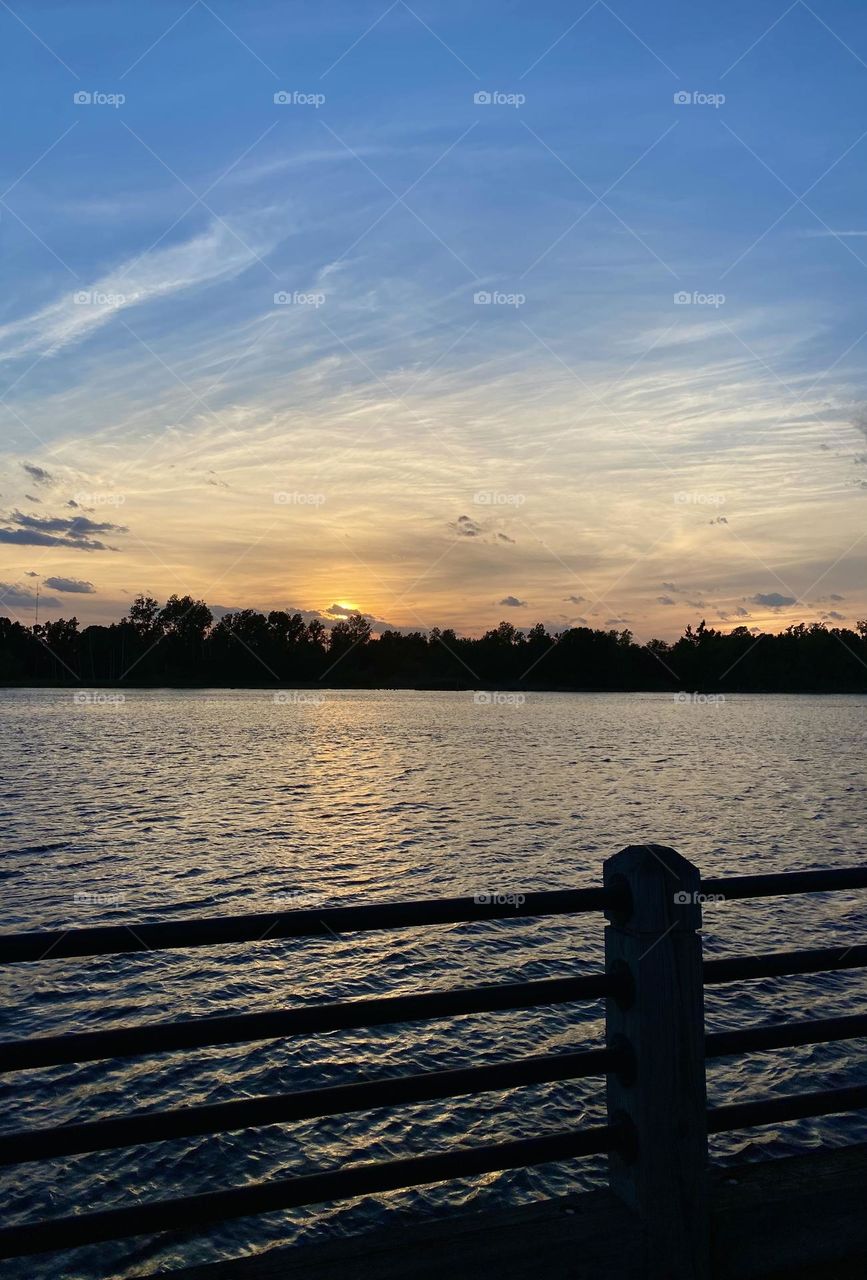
(796, 1218)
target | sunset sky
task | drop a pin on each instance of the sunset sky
(583, 447)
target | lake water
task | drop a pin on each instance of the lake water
(212, 802)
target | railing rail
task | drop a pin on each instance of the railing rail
(342, 1099)
(800, 1106)
(785, 883)
(292, 1193)
(783, 964)
(198, 1033)
(784, 1035)
(653, 1059)
(146, 1127)
(62, 944)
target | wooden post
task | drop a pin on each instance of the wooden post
(662, 1098)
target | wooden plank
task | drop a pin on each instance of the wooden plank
(584, 1237)
(796, 1218)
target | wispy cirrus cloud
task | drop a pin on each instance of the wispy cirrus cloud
(216, 254)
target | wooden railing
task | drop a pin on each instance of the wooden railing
(653, 1058)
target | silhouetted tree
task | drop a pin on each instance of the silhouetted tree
(144, 617)
(184, 623)
(179, 643)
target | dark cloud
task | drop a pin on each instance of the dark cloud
(341, 611)
(466, 528)
(30, 538)
(31, 497)
(718, 520)
(664, 600)
(78, 526)
(57, 531)
(669, 586)
(512, 602)
(772, 600)
(504, 537)
(75, 586)
(740, 612)
(336, 612)
(615, 622)
(220, 610)
(13, 596)
(575, 599)
(377, 629)
(39, 474)
(834, 616)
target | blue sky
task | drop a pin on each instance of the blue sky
(584, 445)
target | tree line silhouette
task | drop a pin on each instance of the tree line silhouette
(180, 644)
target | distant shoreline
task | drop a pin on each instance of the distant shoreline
(711, 694)
(180, 646)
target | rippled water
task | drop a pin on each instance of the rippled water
(212, 802)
